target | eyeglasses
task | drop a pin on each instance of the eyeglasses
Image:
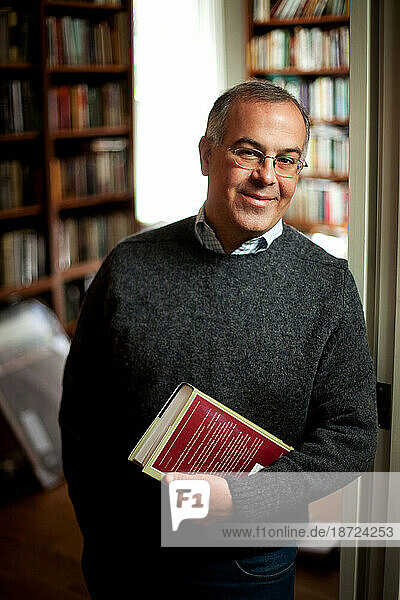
(250, 158)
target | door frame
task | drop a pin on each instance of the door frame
(374, 253)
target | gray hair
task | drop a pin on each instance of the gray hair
(256, 90)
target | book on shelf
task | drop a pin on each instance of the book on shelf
(193, 433)
(321, 202)
(90, 237)
(78, 42)
(20, 184)
(11, 184)
(120, 37)
(263, 10)
(303, 48)
(101, 170)
(328, 151)
(325, 98)
(18, 106)
(79, 106)
(14, 35)
(68, 246)
(22, 257)
(82, 106)
(329, 98)
(286, 9)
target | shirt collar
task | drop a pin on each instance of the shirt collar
(209, 240)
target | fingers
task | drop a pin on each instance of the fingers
(177, 476)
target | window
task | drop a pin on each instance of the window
(180, 69)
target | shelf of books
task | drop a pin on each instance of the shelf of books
(303, 46)
(66, 140)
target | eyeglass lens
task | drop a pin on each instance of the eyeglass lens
(251, 159)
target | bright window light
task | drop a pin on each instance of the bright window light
(179, 71)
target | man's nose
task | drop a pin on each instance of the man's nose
(265, 173)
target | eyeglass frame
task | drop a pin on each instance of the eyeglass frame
(301, 163)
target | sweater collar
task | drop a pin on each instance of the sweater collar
(207, 238)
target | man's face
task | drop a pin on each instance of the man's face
(242, 204)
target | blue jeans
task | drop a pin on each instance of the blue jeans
(269, 576)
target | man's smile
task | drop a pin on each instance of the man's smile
(257, 198)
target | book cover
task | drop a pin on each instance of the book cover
(196, 434)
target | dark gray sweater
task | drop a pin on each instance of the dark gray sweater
(278, 336)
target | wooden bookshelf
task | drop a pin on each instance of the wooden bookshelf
(36, 150)
(79, 271)
(92, 200)
(279, 41)
(17, 66)
(44, 284)
(323, 175)
(88, 69)
(20, 212)
(23, 136)
(89, 132)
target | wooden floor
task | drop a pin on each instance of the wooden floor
(40, 547)
(317, 576)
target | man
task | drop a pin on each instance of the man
(249, 311)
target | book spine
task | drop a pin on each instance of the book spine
(11, 184)
(64, 107)
(65, 39)
(7, 259)
(4, 35)
(14, 41)
(55, 180)
(20, 257)
(51, 51)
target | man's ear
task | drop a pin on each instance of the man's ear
(205, 150)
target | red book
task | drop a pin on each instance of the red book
(194, 433)
(64, 107)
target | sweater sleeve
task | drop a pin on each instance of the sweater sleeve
(341, 430)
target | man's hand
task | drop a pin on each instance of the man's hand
(221, 506)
